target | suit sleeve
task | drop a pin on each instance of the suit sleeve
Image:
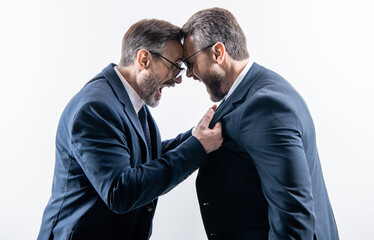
(101, 148)
(170, 144)
(271, 134)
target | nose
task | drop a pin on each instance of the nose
(178, 80)
(189, 73)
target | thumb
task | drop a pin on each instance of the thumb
(214, 107)
(207, 118)
(217, 127)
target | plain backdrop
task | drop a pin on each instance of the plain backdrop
(50, 49)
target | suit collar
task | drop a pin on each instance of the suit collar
(135, 99)
(117, 85)
(240, 78)
(238, 94)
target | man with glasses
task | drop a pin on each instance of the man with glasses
(110, 162)
(265, 182)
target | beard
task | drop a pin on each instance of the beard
(214, 87)
(150, 90)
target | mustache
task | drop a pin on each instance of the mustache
(169, 83)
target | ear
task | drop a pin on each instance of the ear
(143, 59)
(219, 52)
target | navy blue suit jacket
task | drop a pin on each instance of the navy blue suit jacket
(105, 184)
(265, 182)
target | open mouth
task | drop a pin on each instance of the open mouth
(166, 84)
(169, 84)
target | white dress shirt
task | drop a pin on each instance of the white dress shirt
(135, 99)
(240, 78)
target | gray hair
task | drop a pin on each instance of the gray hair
(149, 34)
(217, 25)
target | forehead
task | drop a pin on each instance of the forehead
(174, 50)
(188, 46)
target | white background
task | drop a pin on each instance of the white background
(50, 49)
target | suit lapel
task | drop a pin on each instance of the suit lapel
(121, 93)
(238, 94)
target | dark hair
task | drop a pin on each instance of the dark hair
(217, 25)
(150, 34)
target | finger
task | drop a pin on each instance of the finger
(207, 118)
(214, 107)
(217, 127)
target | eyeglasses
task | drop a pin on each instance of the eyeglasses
(180, 69)
(188, 63)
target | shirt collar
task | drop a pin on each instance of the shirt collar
(135, 99)
(240, 78)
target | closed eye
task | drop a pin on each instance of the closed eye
(190, 65)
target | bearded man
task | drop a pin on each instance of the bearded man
(110, 162)
(265, 182)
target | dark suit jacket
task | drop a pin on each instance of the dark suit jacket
(105, 184)
(265, 182)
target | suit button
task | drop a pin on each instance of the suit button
(149, 208)
(206, 203)
(213, 234)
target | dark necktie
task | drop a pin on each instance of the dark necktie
(142, 115)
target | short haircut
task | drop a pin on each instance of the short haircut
(149, 34)
(217, 25)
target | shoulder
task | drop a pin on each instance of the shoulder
(97, 93)
(95, 99)
(270, 107)
(98, 90)
(272, 93)
(267, 99)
